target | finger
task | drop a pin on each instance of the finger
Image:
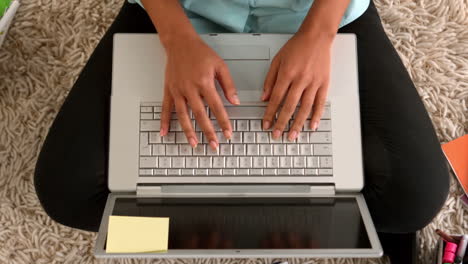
(289, 106)
(167, 107)
(279, 90)
(199, 111)
(185, 122)
(217, 107)
(304, 111)
(317, 108)
(225, 80)
(270, 80)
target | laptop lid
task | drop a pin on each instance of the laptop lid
(252, 226)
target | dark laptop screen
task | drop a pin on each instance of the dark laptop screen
(254, 223)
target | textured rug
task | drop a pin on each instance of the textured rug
(50, 42)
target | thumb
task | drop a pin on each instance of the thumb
(225, 80)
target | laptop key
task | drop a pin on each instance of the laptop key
(239, 149)
(181, 138)
(245, 162)
(320, 137)
(242, 125)
(324, 125)
(169, 138)
(311, 172)
(242, 172)
(229, 172)
(286, 162)
(232, 162)
(272, 162)
(188, 172)
(191, 162)
(252, 150)
(150, 125)
(215, 172)
(146, 172)
(259, 162)
(312, 162)
(173, 172)
(299, 162)
(159, 172)
(322, 150)
(266, 150)
(249, 137)
(201, 172)
(148, 162)
(159, 150)
(172, 150)
(218, 162)
(326, 162)
(262, 137)
(283, 171)
(205, 162)
(236, 137)
(146, 109)
(325, 171)
(256, 171)
(178, 162)
(297, 172)
(154, 138)
(255, 125)
(164, 162)
(185, 150)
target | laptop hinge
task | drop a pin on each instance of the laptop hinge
(234, 190)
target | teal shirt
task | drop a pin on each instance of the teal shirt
(256, 16)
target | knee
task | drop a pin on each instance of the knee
(63, 202)
(412, 196)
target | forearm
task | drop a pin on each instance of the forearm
(170, 20)
(324, 18)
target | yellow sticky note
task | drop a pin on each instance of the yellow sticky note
(129, 234)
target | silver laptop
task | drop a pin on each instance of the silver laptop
(258, 197)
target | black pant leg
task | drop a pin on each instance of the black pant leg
(406, 178)
(71, 172)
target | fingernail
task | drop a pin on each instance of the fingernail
(163, 132)
(276, 134)
(213, 144)
(292, 135)
(266, 124)
(193, 142)
(263, 96)
(227, 134)
(235, 99)
(314, 126)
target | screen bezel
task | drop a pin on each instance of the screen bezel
(373, 252)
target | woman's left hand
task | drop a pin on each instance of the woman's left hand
(300, 71)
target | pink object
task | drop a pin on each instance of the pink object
(449, 252)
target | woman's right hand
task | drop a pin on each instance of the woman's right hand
(191, 70)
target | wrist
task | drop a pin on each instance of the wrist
(174, 39)
(318, 32)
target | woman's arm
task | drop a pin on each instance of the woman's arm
(301, 70)
(324, 17)
(170, 20)
(191, 70)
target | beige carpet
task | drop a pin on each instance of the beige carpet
(51, 40)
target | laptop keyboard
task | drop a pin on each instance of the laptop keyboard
(250, 152)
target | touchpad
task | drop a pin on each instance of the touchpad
(248, 65)
(248, 75)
